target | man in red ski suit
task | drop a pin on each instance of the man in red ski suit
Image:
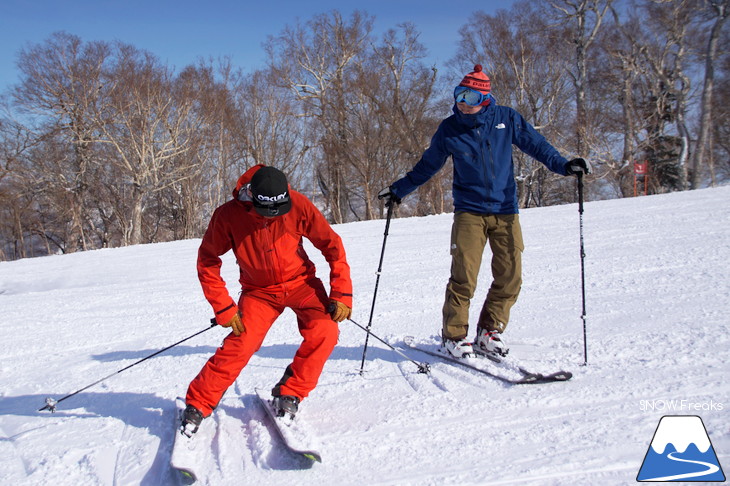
(264, 224)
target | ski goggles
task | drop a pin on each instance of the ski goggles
(471, 97)
(272, 206)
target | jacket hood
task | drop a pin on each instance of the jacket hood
(245, 179)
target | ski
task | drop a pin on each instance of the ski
(527, 377)
(506, 362)
(188, 452)
(293, 433)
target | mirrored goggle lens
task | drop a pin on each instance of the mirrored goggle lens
(270, 207)
(268, 203)
(471, 97)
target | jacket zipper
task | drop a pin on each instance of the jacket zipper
(273, 256)
(487, 163)
(270, 250)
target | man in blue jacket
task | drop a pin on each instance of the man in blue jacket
(479, 137)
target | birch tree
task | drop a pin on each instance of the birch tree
(581, 21)
(149, 130)
(314, 62)
(393, 120)
(59, 88)
(717, 11)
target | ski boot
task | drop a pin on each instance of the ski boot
(286, 406)
(490, 342)
(191, 419)
(457, 348)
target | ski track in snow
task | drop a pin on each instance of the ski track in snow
(657, 288)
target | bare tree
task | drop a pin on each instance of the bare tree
(626, 54)
(667, 24)
(270, 128)
(150, 130)
(719, 9)
(222, 148)
(391, 117)
(60, 85)
(210, 157)
(581, 20)
(14, 142)
(117, 148)
(314, 62)
(721, 115)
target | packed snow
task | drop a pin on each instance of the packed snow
(658, 327)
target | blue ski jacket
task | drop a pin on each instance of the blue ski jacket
(481, 148)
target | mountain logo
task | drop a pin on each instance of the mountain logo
(681, 451)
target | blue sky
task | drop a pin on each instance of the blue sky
(181, 31)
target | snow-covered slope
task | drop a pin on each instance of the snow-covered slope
(657, 285)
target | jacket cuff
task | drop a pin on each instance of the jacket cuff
(397, 189)
(225, 315)
(340, 297)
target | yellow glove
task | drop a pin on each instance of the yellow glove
(235, 324)
(339, 311)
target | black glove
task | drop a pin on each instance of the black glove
(388, 196)
(577, 166)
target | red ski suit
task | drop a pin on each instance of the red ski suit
(275, 273)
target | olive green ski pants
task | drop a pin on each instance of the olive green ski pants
(469, 235)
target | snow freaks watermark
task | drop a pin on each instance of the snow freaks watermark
(680, 406)
(680, 450)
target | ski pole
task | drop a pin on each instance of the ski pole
(422, 367)
(51, 403)
(582, 267)
(377, 281)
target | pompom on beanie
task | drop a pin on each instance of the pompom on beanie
(477, 80)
